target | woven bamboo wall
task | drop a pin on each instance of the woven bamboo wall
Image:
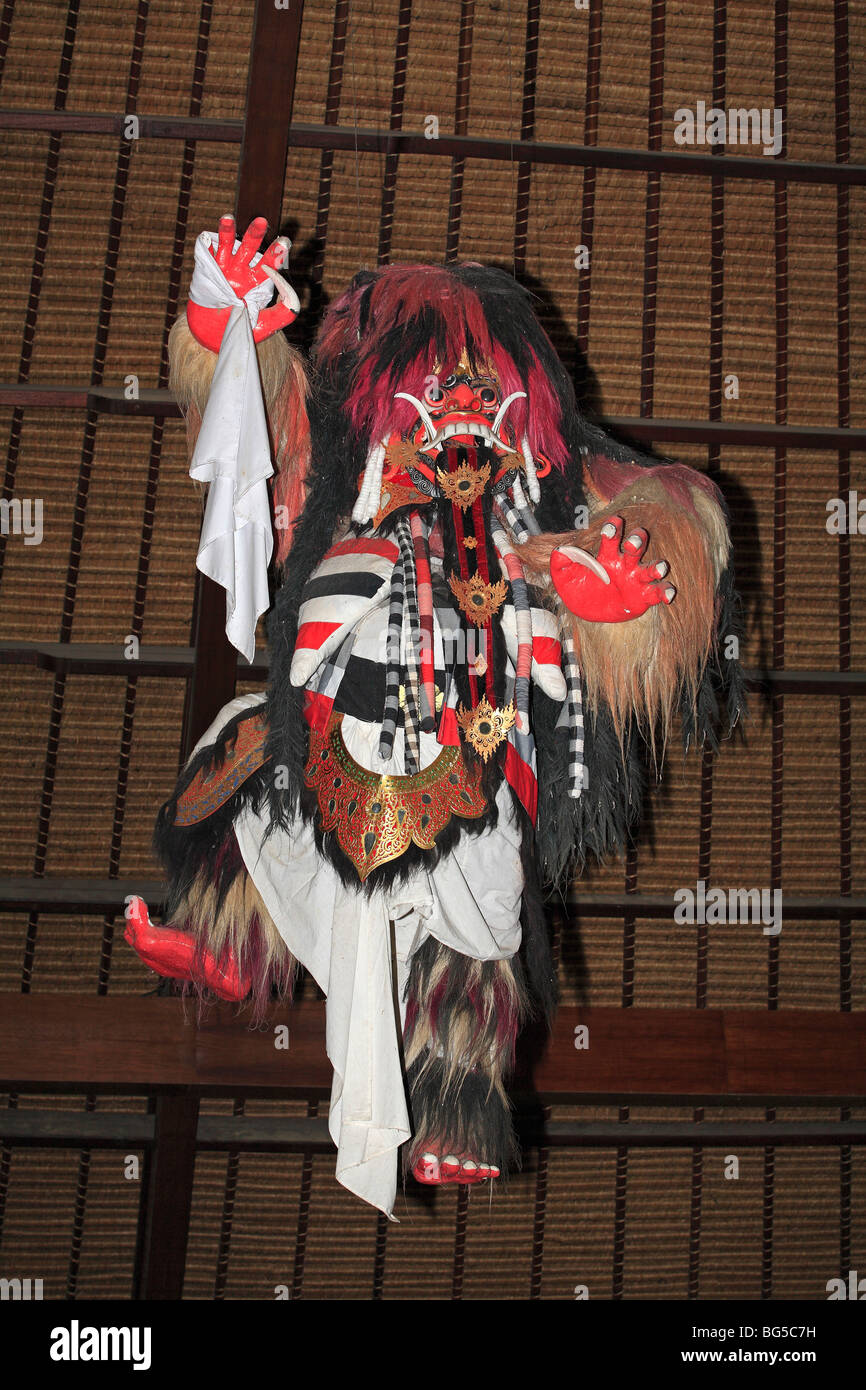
(99, 235)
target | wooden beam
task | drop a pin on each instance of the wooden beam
(270, 99)
(112, 400)
(134, 1046)
(55, 1129)
(107, 123)
(67, 893)
(166, 1199)
(320, 136)
(107, 659)
(261, 176)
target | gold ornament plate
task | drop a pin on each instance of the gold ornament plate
(465, 485)
(485, 727)
(477, 600)
(376, 818)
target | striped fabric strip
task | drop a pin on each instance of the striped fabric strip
(425, 616)
(411, 720)
(523, 615)
(508, 513)
(342, 590)
(393, 663)
(411, 623)
(319, 702)
(483, 568)
(572, 719)
(521, 771)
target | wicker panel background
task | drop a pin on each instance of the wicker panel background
(98, 231)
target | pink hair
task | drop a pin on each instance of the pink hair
(401, 296)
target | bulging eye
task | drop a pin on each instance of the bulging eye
(433, 395)
(487, 395)
(450, 382)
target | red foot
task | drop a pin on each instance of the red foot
(614, 587)
(434, 1171)
(173, 953)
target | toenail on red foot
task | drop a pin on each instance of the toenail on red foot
(426, 1169)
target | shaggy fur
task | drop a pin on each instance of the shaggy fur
(642, 667)
(236, 922)
(462, 1021)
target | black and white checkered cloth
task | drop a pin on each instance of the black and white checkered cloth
(394, 666)
(411, 631)
(571, 717)
(520, 522)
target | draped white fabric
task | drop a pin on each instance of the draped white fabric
(233, 455)
(470, 902)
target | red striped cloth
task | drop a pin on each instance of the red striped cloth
(353, 577)
(425, 618)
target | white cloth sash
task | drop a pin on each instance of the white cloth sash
(233, 455)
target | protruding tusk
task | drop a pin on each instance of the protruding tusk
(500, 414)
(582, 557)
(422, 411)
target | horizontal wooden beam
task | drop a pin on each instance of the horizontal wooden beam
(396, 142)
(67, 1129)
(110, 123)
(63, 893)
(62, 1129)
(127, 1045)
(751, 433)
(108, 659)
(66, 893)
(113, 400)
(311, 135)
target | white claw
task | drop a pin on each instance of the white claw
(609, 530)
(635, 540)
(283, 288)
(582, 557)
(670, 593)
(662, 568)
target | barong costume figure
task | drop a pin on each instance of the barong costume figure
(490, 615)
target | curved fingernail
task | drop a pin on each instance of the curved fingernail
(609, 530)
(582, 557)
(662, 568)
(635, 540)
(670, 593)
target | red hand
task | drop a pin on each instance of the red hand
(208, 325)
(615, 587)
